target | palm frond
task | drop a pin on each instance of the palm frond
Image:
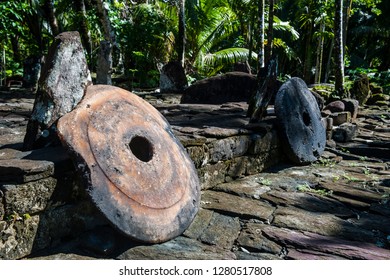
(213, 62)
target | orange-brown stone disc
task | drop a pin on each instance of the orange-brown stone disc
(138, 173)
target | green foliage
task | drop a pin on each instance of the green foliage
(222, 60)
(380, 78)
(308, 189)
(146, 39)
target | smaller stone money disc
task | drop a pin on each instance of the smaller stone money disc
(301, 129)
(138, 174)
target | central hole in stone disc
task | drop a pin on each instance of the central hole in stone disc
(141, 148)
(306, 118)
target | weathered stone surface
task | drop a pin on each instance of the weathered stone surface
(200, 224)
(23, 167)
(141, 178)
(212, 174)
(177, 249)
(236, 206)
(63, 257)
(308, 201)
(378, 98)
(340, 118)
(307, 254)
(301, 128)
(252, 239)
(352, 106)
(327, 244)
(24, 170)
(62, 84)
(335, 106)
(222, 231)
(65, 222)
(255, 256)
(361, 89)
(349, 191)
(17, 237)
(30, 198)
(319, 98)
(320, 223)
(172, 77)
(345, 132)
(230, 87)
(229, 148)
(252, 186)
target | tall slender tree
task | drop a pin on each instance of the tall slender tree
(81, 19)
(261, 5)
(320, 46)
(270, 32)
(339, 48)
(182, 32)
(51, 16)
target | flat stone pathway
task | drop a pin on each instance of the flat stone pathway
(335, 208)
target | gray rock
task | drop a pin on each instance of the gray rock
(30, 198)
(328, 245)
(301, 128)
(237, 206)
(352, 106)
(25, 170)
(229, 148)
(17, 237)
(341, 117)
(173, 78)
(345, 132)
(335, 106)
(221, 231)
(252, 239)
(180, 248)
(319, 223)
(230, 87)
(64, 79)
(361, 89)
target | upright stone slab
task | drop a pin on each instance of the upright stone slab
(137, 173)
(173, 77)
(64, 79)
(300, 125)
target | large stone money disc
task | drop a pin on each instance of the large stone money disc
(302, 132)
(138, 174)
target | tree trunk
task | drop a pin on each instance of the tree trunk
(15, 47)
(109, 34)
(339, 53)
(328, 63)
(261, 6)
(320, 53)
(270, 33)
(2, 68)
(347, 14)
(51, 17)
(104, 64)
(182, 33)
(83, 28)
